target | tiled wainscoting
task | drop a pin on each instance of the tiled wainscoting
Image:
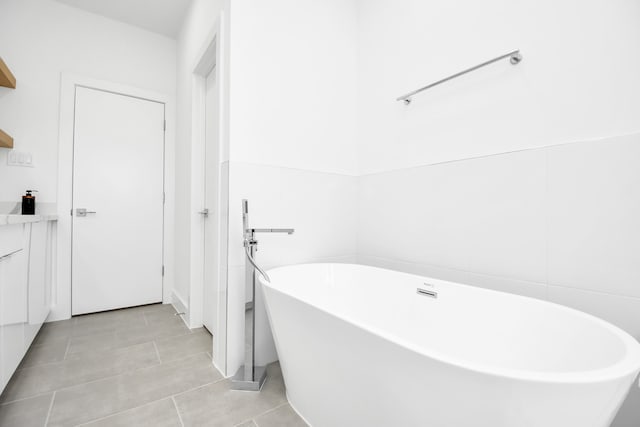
(321, 206)
(133, 367)
(560, 223)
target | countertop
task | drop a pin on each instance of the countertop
(24, 219)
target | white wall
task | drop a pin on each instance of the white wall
(293, 77)
(473, 181)
(41, 40)
(292, 142)
(577, 81)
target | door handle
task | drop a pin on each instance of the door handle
(204, 212)
(82, 212)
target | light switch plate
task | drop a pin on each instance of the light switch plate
(20, 158)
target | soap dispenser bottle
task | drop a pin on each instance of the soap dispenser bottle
(29, 203)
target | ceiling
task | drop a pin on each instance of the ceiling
(160, 16)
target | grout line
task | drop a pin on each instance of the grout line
(118, 375)
(66, 351)
(447, 269)
(552, 285)
(175, 404)
(546, 147)
(120, 412)
(46, 421)
(146, 321)
(80, 384)
(129, 345)
(82, 354)
(157, 352)
(172, 397)
(286, 402)
(198, 387)
(547, 286)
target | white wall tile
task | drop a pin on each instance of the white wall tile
(506, 222)
(322, 209)
(320, 206)
(428, 271)
(619, 310)
(503, 284)
(496, 283)
(414, 215)
(594, 213)
(483, 215)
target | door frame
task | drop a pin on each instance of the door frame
(212, 54)
(61, 295)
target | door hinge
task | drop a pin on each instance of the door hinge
(163, 271)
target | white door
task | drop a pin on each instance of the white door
(211, 184)
(118, 174)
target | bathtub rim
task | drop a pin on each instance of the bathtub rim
(628, 364)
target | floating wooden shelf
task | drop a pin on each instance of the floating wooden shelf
(6, 78)
(5, 140)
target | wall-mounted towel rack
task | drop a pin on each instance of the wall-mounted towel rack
(514, 57)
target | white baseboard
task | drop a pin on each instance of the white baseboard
(181, 307)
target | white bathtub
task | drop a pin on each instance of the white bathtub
(359, 346)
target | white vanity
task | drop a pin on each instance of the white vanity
(26, 279)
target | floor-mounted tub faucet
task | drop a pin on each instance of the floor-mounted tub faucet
(250, 377)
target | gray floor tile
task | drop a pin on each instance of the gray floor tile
(26, 413)
(99, 323)
(161, 413)
(284, 416)
(217, 405)
(54, 332)
(136, 334)
(39, 354)
(102, 398)
(158, 308)
(107, 321)
(184, 345)
(161, 315)
(77, 370)
(95, 343)
(249, 423)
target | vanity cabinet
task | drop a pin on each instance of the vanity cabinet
(25, 289)
(13, 298)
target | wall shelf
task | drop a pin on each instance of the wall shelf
(6, 77)
(5, 140)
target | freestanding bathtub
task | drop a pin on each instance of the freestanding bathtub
(359, 346)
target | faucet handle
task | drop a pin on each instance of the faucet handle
(272, 230)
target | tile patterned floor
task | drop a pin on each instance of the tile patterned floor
(135, 367)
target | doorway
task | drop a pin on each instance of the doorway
(117, 201)
(211, 202)
(210, 182)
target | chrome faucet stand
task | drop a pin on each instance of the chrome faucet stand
(251, 377)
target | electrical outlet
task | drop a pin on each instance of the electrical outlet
(20, 158)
